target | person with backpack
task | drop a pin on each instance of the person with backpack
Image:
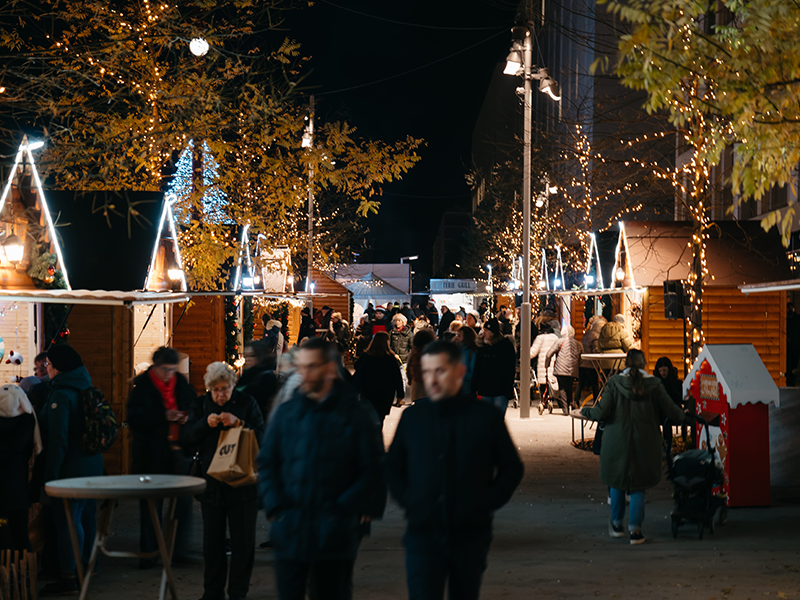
(158, 407)
(273, 337)
(63, 427)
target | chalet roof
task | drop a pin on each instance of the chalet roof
(742, 374)
(105, 245)
(96, 297)
(737, 253)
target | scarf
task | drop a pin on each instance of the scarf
(14, 403)
(167, 391)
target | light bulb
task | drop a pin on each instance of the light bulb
(198, 47)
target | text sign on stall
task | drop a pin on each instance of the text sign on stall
(709, 387)
(451, 286)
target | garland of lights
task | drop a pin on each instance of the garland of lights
(233, 354)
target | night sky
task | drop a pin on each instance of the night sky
(438, 102)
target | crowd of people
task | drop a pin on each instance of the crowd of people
(323, 472)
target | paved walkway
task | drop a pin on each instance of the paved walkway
(550, 541)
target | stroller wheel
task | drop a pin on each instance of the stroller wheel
(550, 408)
(541, 407)
(700, 529)
(676, 522)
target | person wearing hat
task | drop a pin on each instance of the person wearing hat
(308, 328)
(62, 423)
(495, 367)
(433, 314)
(381, 323)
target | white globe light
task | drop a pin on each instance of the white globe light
(198, 46)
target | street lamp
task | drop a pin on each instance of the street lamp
(520, 63)
(198, 47)
(409, 259)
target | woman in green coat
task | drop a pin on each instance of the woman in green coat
(630, 455)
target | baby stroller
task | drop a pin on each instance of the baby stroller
(695, 474)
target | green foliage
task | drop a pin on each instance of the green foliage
(232, 349)
(118, 96)
(732, 83)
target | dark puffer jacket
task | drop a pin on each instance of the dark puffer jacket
(320, 471)
(198, 432)
(147, 419)
(451, 465)
(400, 342)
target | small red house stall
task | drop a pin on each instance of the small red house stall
(731, 381)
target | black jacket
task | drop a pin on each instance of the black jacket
(495, 369)
(319, 472)
(261, 383)
(400, 342)
(451, 465)
(444, 323)
(199, 433)
(378, 379)
(16, 449)
(147, 420)
(308, 328)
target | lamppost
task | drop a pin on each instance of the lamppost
(402, 262)
(520, 63)
(491, 290)
(308, 142)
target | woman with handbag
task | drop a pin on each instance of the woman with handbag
(224, 506)
(630, 454)
(158, 407)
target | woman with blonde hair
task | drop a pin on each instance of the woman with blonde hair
(224, 507)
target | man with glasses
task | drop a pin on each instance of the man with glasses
(320, 478)
(158, 407)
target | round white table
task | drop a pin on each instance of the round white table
(617, 360)
(127, 487)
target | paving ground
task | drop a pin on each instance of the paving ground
(550, 541)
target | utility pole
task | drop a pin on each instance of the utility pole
(308, 142)
(525, 313)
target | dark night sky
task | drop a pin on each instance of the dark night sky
(439, 102)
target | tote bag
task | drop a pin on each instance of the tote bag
(234, 460)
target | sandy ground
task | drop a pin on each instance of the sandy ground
(550, 541)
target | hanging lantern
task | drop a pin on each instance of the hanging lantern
(14, 248)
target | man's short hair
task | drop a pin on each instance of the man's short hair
(452, 351)
(165, 356)
(329, 352)
(41, 357)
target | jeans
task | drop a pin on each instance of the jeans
(587, 377)
(501, 402)
(618, 509)
(431, 563)
(240, 521)
(83, 515)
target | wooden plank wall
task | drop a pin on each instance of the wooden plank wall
(729, 317)
(103, 336)
(148, 339)
(576, 316)
(201, 335)
(660, 336)
(17, 333)
(339, 300)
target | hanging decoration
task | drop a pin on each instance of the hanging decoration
(14, 358)
(233, 351)
(182, 185)
(43, 269)
(25, 150)
(2, 348)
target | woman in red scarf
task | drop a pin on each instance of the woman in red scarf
(157, 408)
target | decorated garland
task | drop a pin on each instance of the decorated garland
(232, 350)
(247, 320)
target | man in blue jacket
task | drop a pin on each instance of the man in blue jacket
(450, 466)
(62, 425)
(320, 478)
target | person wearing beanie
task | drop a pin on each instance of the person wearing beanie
(62, 423)
(308, 328)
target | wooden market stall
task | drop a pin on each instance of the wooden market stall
(650, 253)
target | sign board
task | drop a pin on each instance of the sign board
(453, 286)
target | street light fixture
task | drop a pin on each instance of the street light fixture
(198, 47)
(409, 259)
(521, 35)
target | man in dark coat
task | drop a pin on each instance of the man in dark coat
(308, 328)
(158, 406)
(408, 313)
(320, 478)
(444, 323)
(450, 466)
(433, 314)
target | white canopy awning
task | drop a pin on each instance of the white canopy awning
(96, 297)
